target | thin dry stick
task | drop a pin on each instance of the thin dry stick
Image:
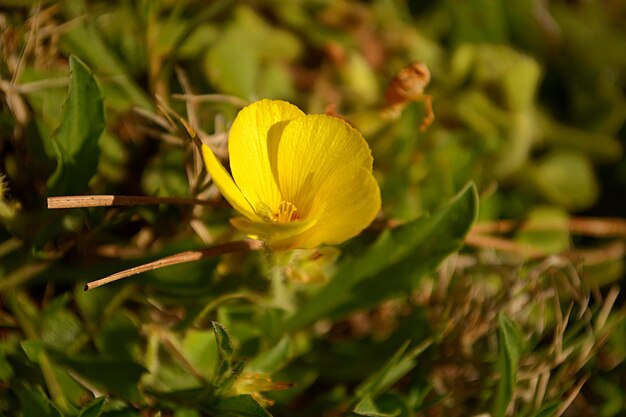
(22, 275)
(496, 226)
(77, 201)
(6, 86)
(154, 118)
(169, 114)
(193, 175)
(177, 353)
(607, 307)
(486, 241)
(587, 226)
(166, 137)
(188, 256)
(610, 252)
(571, 397)
(599, 227)
(17, 72)
(191, 105)
(192, 133)
(217, 98)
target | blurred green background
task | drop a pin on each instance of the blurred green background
(489, 284)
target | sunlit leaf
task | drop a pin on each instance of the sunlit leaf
(567, 178)
(249, 58)
(394, 264)
(546, 230)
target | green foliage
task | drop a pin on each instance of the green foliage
(547, 410)
(366, 407)
(240, 406)
(76, 139)
(443, 306)
(566, 178)
(93, 409)
(250, 58)
(394, 264)
(36, 403)
(400, 364)
(510, 350)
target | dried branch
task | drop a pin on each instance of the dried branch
(586, 226)
(188, 256)
(78, 201)
(498, 243)
(215, 98)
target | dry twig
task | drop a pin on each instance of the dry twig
(188, 256)
(78, 201)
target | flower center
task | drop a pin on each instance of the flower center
(286, 213)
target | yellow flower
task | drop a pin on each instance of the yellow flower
(298, 180)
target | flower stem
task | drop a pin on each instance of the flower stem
(282, 291)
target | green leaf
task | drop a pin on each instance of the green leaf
(241, 406)
(482, 21)
(33, 350)
(93, 409)
(199, 347)
(397, 367)
(366, 407)
(520, 82)
(249, 59)
(546, 410)
(553, 239)
(86, 41)
(224, 344)
(119, 337)
(119, 377)
(597, 146)
(227, 370)
(394, 264)
(567, 178)
(165, 175)
(185, 397)
(510, 345)
(93, 304)
(227, 378)
(184, 412)
(76, 139)
(59, 328)
(5, 369)
(275, 358)
(35, 402)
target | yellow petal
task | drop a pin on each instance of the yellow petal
(278, 236)
(247, 145)
(226, 185)
(347, 203)
(310, 149)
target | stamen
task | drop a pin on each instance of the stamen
(287, 212)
